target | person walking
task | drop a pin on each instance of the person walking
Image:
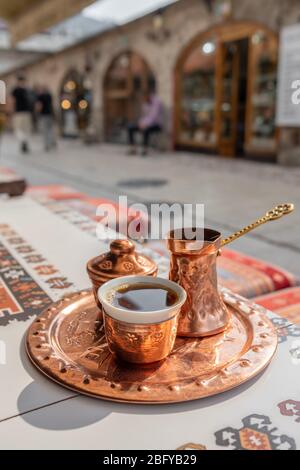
(22, 108)
(44, 108)
(150, 122)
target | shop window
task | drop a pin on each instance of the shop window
(261, 113)
(197, 103)
(225, 96)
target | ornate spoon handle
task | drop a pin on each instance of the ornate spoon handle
(273, 214)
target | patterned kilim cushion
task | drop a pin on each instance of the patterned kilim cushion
(54, 191)
(251, 277)
(247, 276)
(243, 274)
(82, 203)
(285, 302)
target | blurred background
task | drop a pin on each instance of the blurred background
(213, 62)
(161, 100)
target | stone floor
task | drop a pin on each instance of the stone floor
(234, 191)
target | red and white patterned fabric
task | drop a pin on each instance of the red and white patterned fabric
(285, 303)
(251, 277)
(54, 191)
(243, 274)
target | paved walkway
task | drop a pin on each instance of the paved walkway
(234, 191)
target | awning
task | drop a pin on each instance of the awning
(28, 17)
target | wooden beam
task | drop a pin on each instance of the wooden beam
(13, 8)
(40, 16)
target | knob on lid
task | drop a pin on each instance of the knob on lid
(120, 247)
(121, 260)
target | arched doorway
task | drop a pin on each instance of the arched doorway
(226, 91)
(75, 103)
(127, 79)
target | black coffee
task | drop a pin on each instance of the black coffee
(143, 297)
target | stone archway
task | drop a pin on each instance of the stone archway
(127, 79)
(75, 103)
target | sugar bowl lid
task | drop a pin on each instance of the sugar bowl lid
(121, 260)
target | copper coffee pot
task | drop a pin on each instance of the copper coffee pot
(193, 266)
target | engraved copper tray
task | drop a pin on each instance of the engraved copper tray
(67, 343)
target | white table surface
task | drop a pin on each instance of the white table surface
(35, 413)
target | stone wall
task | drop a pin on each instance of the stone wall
(184, 20)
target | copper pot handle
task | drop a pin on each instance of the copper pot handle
(273, 214)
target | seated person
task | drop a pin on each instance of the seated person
(150, 122)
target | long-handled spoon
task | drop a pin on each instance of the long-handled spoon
(273, 214)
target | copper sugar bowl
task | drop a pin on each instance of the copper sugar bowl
(193, 266)
(121, 260)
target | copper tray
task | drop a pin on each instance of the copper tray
(67, 343)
